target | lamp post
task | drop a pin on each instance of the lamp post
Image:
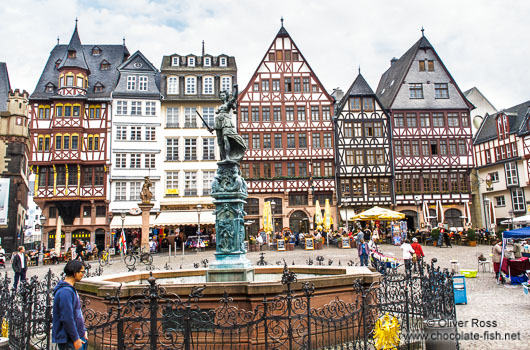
(417, 201)
(42, 219)
(273, 205)
(511, 218)
(123, 215)
(199, 209)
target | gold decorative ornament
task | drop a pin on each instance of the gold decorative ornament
(386, 332)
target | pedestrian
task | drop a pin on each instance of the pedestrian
(79, 250)
(517, 249)
(407, 253)
(68, 327)
(363, 251)
(359, 236)
(496, 257)
(20, 266)
(418, 251)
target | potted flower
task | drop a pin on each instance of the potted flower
(472, 237)
(253, 244)
(435, 234)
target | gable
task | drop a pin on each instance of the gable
(138, 63)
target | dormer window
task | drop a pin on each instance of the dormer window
(222, 61)
(69, 80)
(207, 61)
(175, 61)
(49, 87)
(191, 61)
(57, 63)
(502, 126)
(98, 87)
(96, 51)
(71, 53)
(105, 65)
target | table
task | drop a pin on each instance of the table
(516, 266)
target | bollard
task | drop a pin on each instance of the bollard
(440, 335)
(169, 258)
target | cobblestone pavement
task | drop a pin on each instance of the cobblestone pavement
(487, 301)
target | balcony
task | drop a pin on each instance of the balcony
(172, 125)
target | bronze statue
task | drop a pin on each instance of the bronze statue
(146, 194)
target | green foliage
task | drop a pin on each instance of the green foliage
(435, 233)
(499, 233)
(471, 235)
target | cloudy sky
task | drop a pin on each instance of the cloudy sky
(483, 43)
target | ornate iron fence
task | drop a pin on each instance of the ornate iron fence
(156, 319)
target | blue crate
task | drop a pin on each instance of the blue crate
(460, 291)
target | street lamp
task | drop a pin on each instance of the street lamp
(273, 205)
(417, 201)
(199, 209)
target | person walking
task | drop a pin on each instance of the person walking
(419, 253)
(80, 251)
(68, 327)
(496, 257)
(363, 251)
(407, 254)
(20, 266)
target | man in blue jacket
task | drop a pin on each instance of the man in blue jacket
(68, 329)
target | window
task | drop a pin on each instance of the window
(421, 65)
(256, 87)
(88, 176)
(172, 120)
(150, 108)
(345, 186)
(60, 175)
(70, 81)
(452, 147)
(465, 120)
(288, 86)
(208, 115)
(434, 147)
(454, 182)
(266, 114)
(80, 81)
(500, 201)
(355, 103)
(443, 147)
(452, 120)
(244, 114)
(121, 107)
(190, 117)
(317, 169)
(68, 111)
(136, 107)
(368, 104)
(59, 111)
(425, 148)
(435, 182)
(397, 149)
(150, 161)
(207, 85)
(416, 91)
(315, 115)
(245, 139)
(518, 199)
(175, 61)
(430, 65)
(190, 149)
(370, 157)
(406, 148)
(412, 120)
(278, 141)
(191, 83)
(368, 129)
(297, 85)
(135, 160)
(40, 143)
(265, 85)
(278, 170)
(121, 160)
(305, 82)
(226, 84)
(208, 148)
(255, 114)
(327, 140)
(222, 62)
(302, 140)
(256, 141)
(302, 169)
(275, 85)
(131, 82)
(426, 182)
(245, 170)
(207, 62)
(290, 141)
(462, 147)
(76, 110)
(298, 199)
(407, 184)
(121, 191)
(300, 113)
(150, 133)
(190, 183)
(66, 142)
(207, 179)
(328, 169)
(359, 157)
(511, 174)
(172, 182)
(267, 170)
(444, 182)
(172, 149)
(441, 90)
(425, 121)
(58, 142)
(267, 141)
(357, 187)
(438, 120)
(289, 113)
(399, 121)
(290, 169)
(142, 83)
(415, 148)
(134, 190)
(277, 111)
(191, 61)
(173, 85)
(494, 176)
(325, 113)
(136, 133)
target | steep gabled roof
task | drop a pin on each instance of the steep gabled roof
(137, 57)
(5, 86)
(517, 115)
(359, 87)
(79, 60)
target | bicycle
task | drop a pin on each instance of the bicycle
(144, 257)
(105, 259)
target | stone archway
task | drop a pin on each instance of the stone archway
(412, 219)
(299, 222)
(453, 217)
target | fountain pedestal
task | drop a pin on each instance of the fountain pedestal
(146, 210)
(229, 191)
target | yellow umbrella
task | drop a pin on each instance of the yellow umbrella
(318, 216)
(328, 221)
(267, 217)
(378, 213)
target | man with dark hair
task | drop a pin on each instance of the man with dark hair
(68, 328)
(20, 266)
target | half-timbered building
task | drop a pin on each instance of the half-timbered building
(284, 115)
(136, 140)
(362, 149)
(502, 152)
(70, 148)
(431, 133)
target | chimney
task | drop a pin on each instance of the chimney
(392, 61)
(338, 94)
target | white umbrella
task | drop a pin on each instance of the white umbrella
(58, 236)
(491, 211)
(425, 211)
(467, 214)
(440, 216)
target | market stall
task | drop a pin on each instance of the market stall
(514, 267)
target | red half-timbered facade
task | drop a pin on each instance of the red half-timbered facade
(431, 134)
(285, 116)
(69, 131)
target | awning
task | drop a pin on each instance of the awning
(170, 218)
(521, 220)
(351, 214)
(131, 221)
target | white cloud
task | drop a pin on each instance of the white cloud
(483, 43)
